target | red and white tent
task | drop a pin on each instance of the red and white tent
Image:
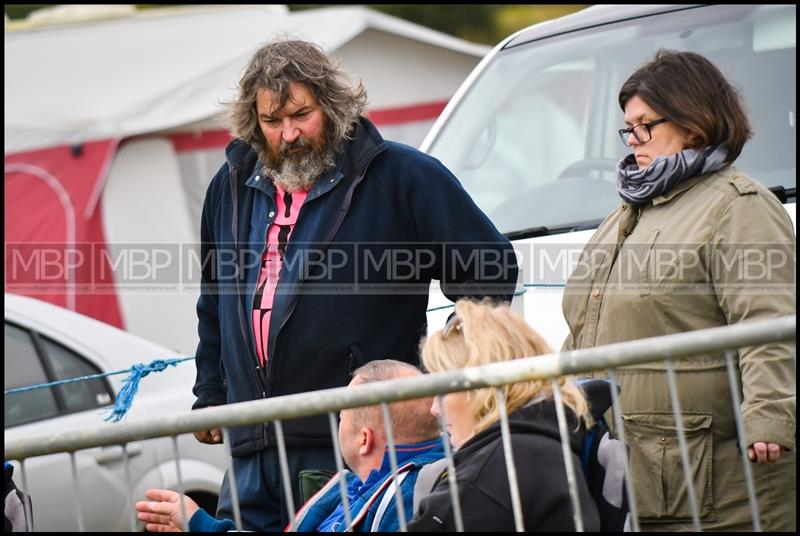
(113, 131)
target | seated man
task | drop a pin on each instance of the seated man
(370, 485)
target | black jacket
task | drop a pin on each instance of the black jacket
(483, 481)
(370, 237)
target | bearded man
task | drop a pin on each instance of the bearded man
(319, 244)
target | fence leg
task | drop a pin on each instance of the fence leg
(287, 483)
(77, 496)
(398, 493)
(451, 467)
(348, 516)
(748, 472)
(577, 515)
(511, 468)
(237, 512)
(633, 513)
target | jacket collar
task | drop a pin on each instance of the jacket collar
(238, 153)
(365, 142)
(405, 453)
(686, 185)
(357, 151)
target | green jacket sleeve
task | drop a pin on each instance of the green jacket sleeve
(753, 271)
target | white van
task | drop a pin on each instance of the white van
(532, 132)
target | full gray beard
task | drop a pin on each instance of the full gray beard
(295, 174)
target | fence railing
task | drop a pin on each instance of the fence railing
(666, 348)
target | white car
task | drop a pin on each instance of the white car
(532, 132)
(45, 343)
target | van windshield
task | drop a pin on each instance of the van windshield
(535, 141)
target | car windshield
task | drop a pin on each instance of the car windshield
(535, 140)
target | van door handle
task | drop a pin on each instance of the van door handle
(114, 453)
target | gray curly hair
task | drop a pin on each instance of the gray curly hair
(274, 67)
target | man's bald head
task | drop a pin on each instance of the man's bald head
(412, 421)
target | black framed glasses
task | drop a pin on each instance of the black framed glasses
(641, 131)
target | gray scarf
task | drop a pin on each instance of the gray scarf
(637, 186)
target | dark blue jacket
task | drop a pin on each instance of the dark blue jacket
(371, 235)
(324, 509)
(372, 503)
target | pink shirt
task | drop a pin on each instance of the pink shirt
(277, 238)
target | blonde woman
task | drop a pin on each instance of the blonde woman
(480, 334)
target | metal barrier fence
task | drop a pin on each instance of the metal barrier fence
(666, 348)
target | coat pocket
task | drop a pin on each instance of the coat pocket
(657, 470)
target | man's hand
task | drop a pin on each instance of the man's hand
(211, 437)
(163, 512)
(762, 452)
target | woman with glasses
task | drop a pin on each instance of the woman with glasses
(480, 334)
(695, 244)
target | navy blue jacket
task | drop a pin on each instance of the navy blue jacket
(371, 235)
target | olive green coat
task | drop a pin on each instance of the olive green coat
(717, 249)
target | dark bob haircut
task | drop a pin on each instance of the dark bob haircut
(694, 95)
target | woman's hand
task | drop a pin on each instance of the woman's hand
(762, 452)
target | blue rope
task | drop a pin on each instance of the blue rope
(139, 371)
(448, 306)
(440, 307)
(131, 385)
(25, 389)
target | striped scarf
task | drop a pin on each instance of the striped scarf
(637, 186)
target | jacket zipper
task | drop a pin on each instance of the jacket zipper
(266, 379)
(260, 373)
(342, 213)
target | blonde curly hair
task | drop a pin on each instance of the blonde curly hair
(485, 333)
